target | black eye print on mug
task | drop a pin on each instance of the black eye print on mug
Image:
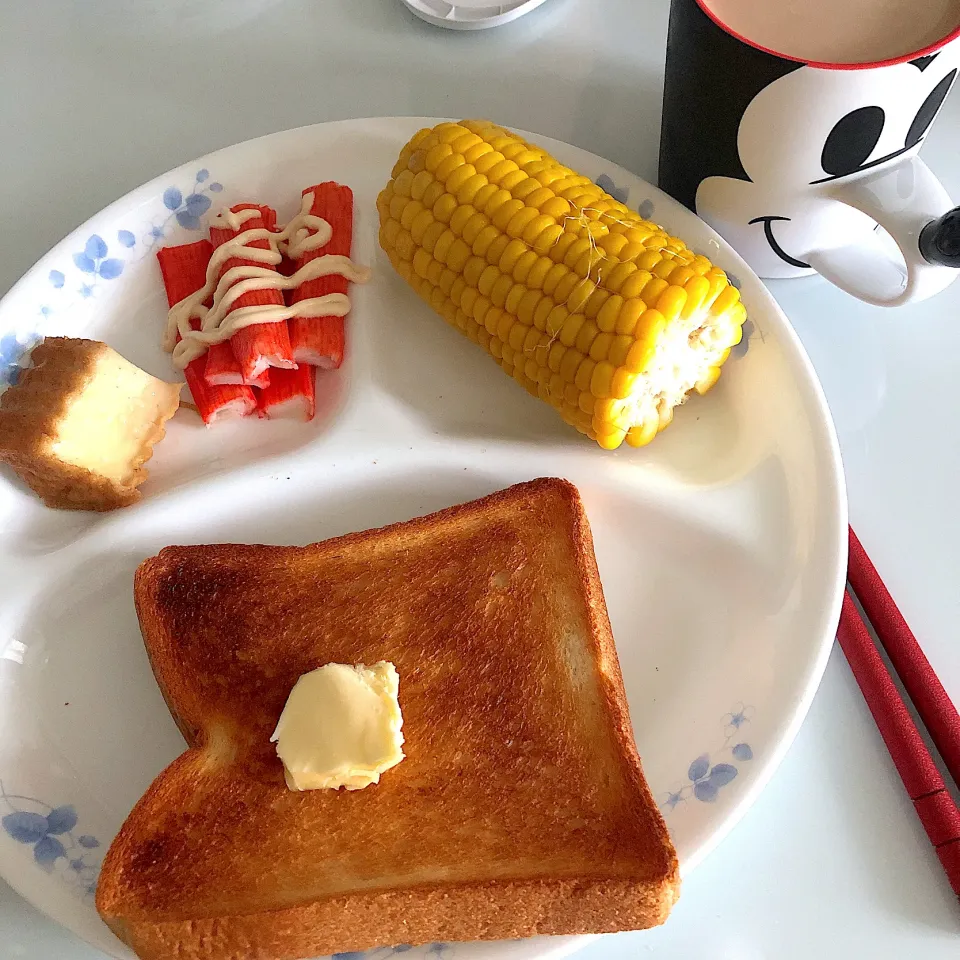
(852, 140)
(928, 110)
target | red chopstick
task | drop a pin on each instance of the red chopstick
(935, 807)
(923, 686)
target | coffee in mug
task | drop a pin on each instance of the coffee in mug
(839, 31)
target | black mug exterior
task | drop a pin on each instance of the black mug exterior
(709, 81)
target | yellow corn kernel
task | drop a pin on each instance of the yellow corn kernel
(518, 336)
(458, 219)
(448, 165)
(586, 336)
(500, 289)
(570, 363)
(445, 208)
(558, 249)
(487, 279)
(671, 302)
(432, 194)
(612, 244)
(520, 221)
(420, 224)
(600, 348)
(496, 249)
(565, 287)
(642, 434)
(447, 281)
(617, 276)
(652, 291)
(697, 288)
(527, 306)
(609, 313)
(557, 207)
(473, 270)
(457, 255)
(511, 255)
(505, 212)
(538, 273)
(571, 329)
(488, 161)
(467, 299)
(585, 373)
(545, 305)
(726, 299)
(531, 340)
(601, 382)
(623, 383)
(397, 206)
(471, 229)
(480, 308)
(611, 440)
(612, 411)
(405, 246)
(577, 298)
(546, 238)
(460, 176)
(421, 262)
(556, 318)
(555, 356)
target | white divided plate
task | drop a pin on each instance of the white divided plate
(721, 545)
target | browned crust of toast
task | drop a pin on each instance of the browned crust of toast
(566, 839)
(30, 412)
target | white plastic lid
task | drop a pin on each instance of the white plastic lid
(470, 14)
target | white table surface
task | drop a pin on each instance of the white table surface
(98, 96)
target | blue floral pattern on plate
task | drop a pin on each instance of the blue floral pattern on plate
(13, 351)
(51, 833)
(710, 772)
(187, 209)
(104, 258)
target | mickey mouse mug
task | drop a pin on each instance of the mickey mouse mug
(796, 162)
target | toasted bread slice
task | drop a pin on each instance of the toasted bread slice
(81, 423)
(520, 808)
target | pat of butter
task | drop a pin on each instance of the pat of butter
(341, 727)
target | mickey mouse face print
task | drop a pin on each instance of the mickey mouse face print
(798, 164)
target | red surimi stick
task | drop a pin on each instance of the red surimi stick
(184, 270)
(261, 345)
(291, 394)
(319, 340)
(223, 367)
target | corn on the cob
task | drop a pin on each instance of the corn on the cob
(586, 304)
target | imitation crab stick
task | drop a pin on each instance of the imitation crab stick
(184, 270)
(319, 340)
(291, 394)
(262, 345)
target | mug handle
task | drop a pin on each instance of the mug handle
(905, 199)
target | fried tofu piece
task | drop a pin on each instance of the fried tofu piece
(81, 423)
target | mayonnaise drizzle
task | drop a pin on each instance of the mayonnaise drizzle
(305, 232)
